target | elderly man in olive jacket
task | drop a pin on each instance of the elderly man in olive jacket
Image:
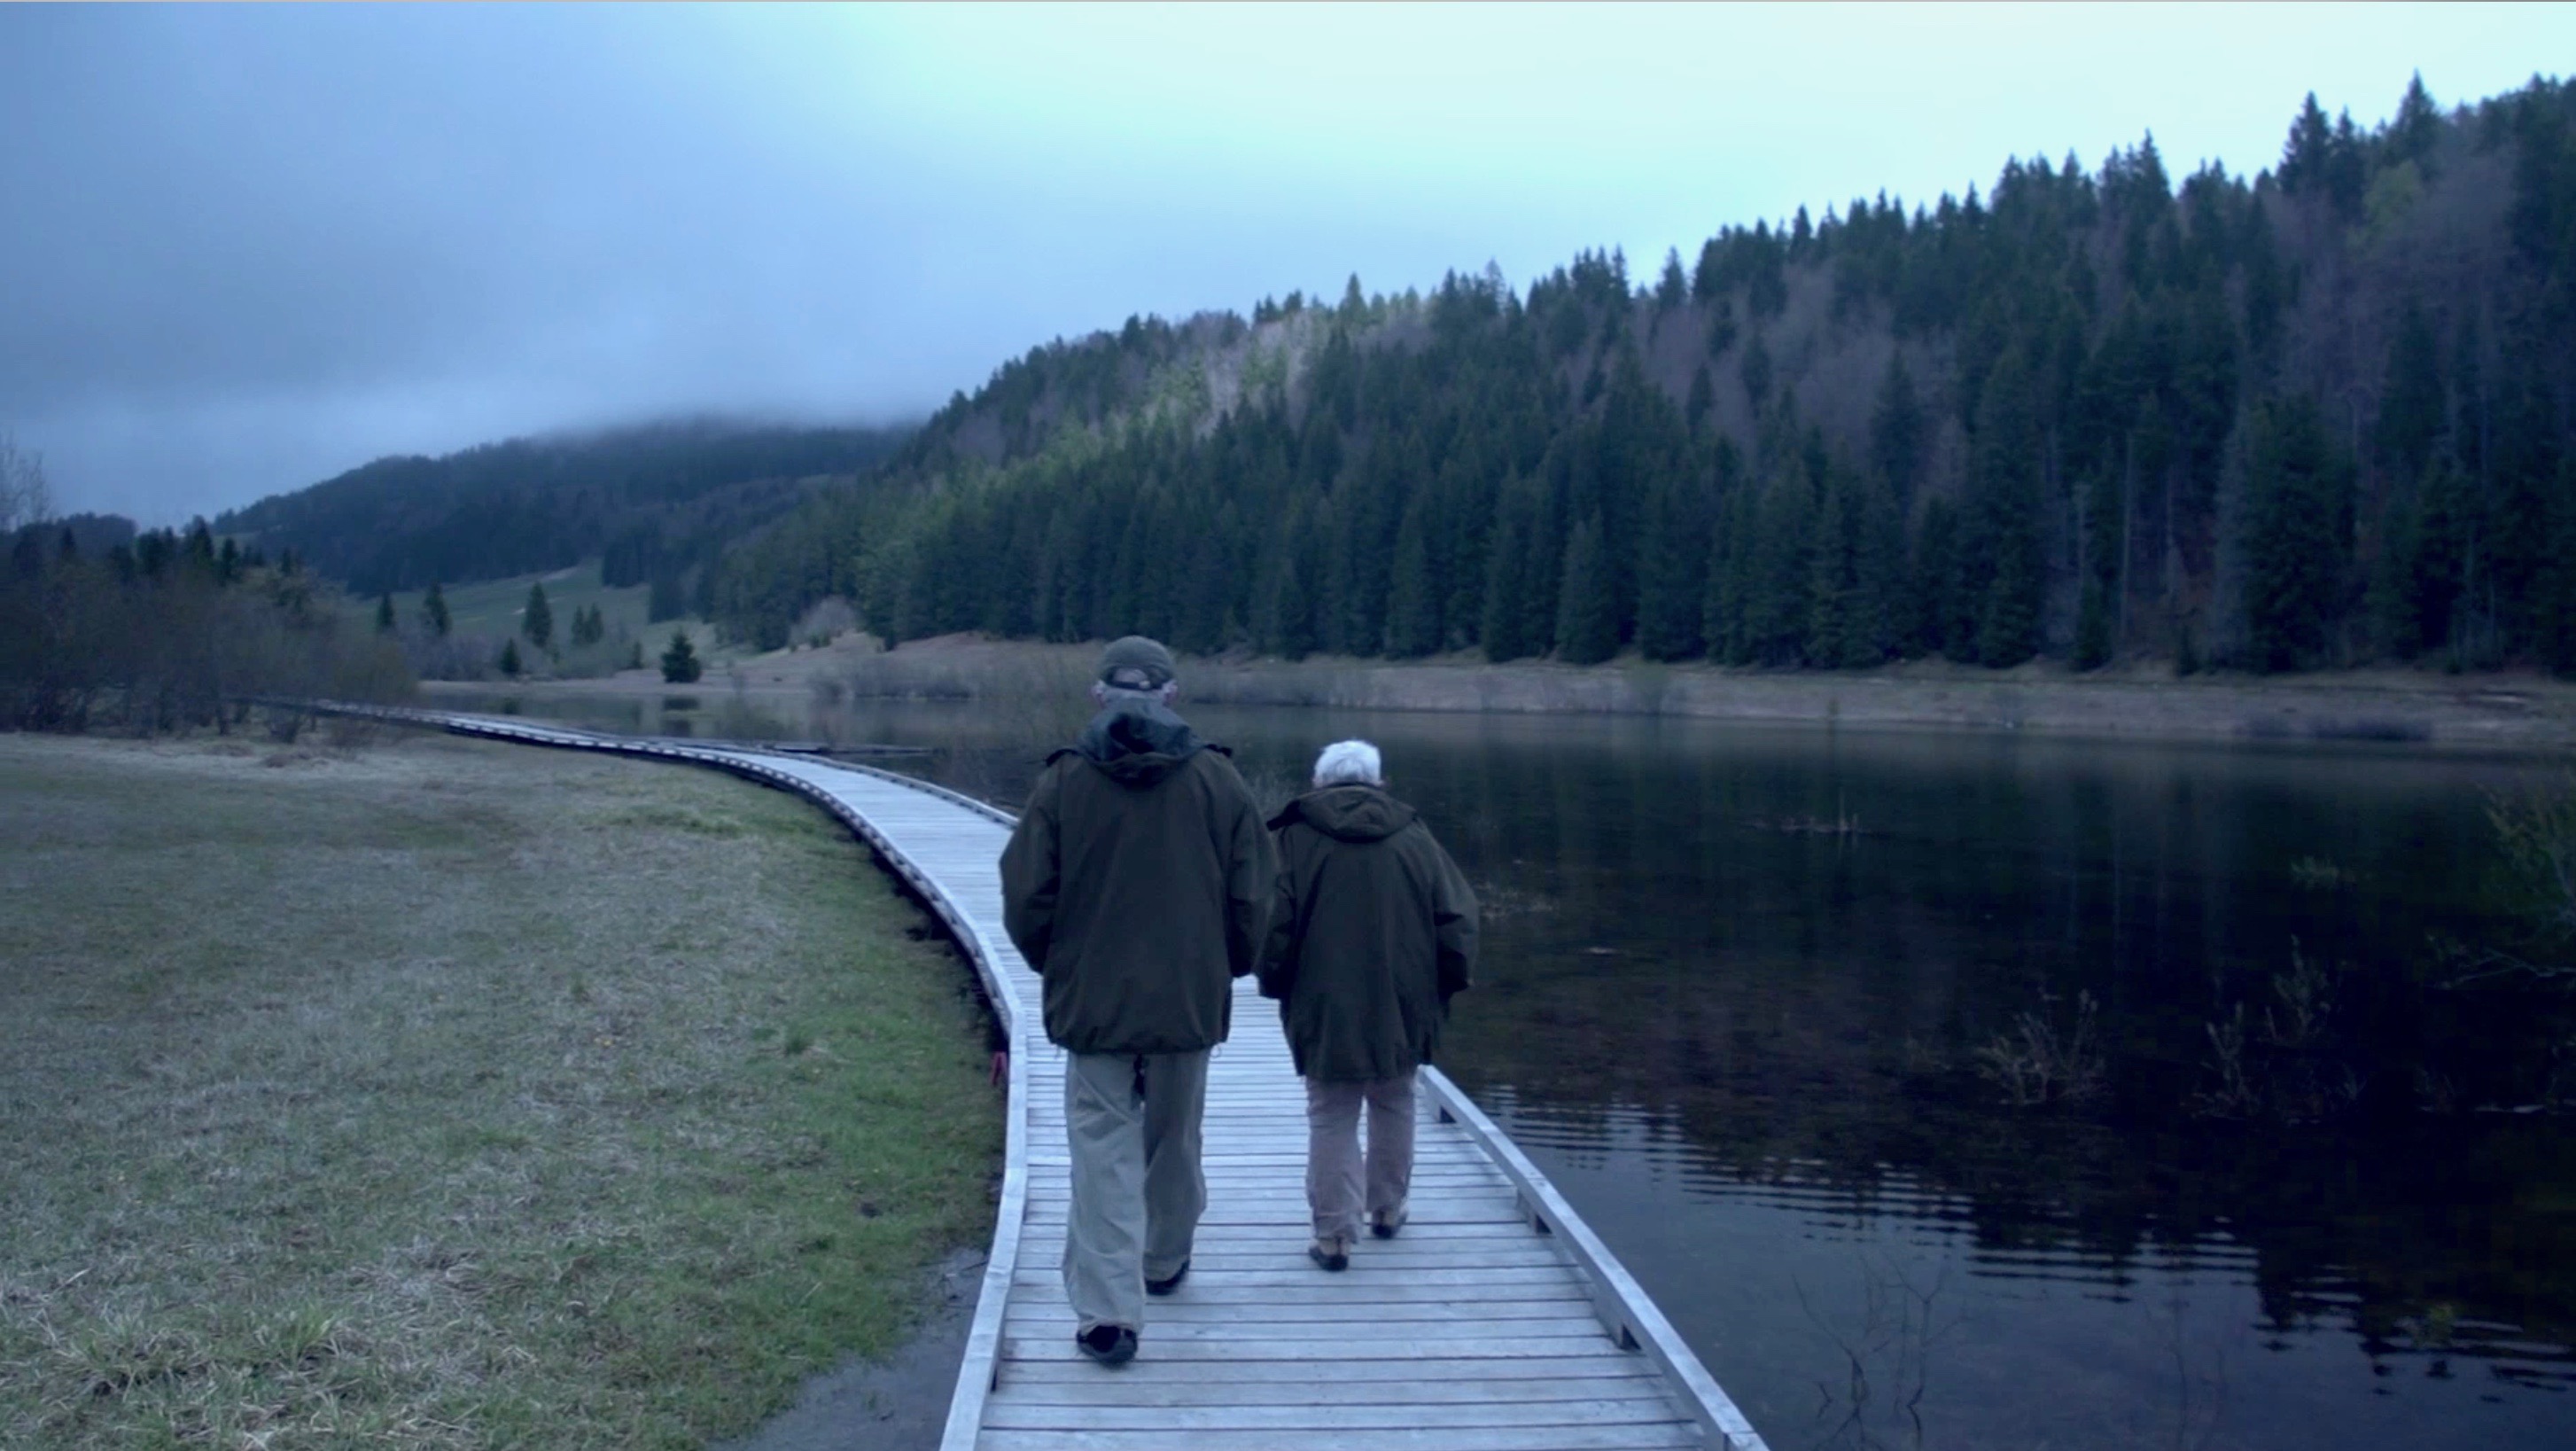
(1137, 885)
(1372, 931)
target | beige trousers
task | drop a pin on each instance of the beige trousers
(1131, 1130)
(1339, 1186)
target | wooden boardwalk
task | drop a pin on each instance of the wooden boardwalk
(1494, 1322)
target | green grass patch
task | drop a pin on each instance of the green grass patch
(496, 609)
(456, 1094)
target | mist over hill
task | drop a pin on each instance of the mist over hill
(2313, 417)
(2317, 416)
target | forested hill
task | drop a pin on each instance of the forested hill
(658, 502)
(2316, 416)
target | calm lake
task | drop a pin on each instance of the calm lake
(1978, 1091)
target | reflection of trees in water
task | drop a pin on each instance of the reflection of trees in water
(2266, 1013)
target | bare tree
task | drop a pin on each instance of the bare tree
(24, 499)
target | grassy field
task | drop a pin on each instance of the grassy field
(493, 610)
(448, 1094)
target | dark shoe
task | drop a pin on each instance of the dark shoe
(1385, 1222)
(1332, 1254)
(1107, 1344)
(1170, 1282)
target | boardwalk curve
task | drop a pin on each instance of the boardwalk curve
(1496, 1322)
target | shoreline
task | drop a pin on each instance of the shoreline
(2519, 712)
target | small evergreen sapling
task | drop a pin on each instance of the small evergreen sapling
(538, 622)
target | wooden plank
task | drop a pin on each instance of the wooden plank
(1333, 1416)
(1589, 1336)
(1499, 1438)
(1593, 1361)
(1254, 1305)
(1634, 1380)
(1461, 1279)
(1288, 1251)
(1418, 1233)
(1346, 1338)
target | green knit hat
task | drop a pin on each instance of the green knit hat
(1135, 663)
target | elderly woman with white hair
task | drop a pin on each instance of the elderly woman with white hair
(1372, 931)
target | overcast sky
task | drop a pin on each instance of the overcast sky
(248, 248)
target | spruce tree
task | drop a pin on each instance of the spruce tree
(1672, 570)
(680, 664)
(1502, 631)
(1587, 621)
(2005, 566)
(1756, 369)
(2296, 502)
(537, 621)
(384, 610)
(509, 662)
(1896, 429)
(1413, 602)
(2412, 404)
(433, 611)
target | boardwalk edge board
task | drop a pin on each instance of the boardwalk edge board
(1618, 1303)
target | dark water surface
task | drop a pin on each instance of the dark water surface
(1755, 999)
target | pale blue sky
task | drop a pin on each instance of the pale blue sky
(257, 246)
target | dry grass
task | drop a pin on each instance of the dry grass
(454, 1094)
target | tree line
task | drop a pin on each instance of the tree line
(2317, 416)
(171, 630)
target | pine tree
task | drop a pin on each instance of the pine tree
(2005, 567)
(1672, 579)
(1756, 369)
(510, 665)
(2096, 615)
(1587, 621)
(1413, 602)
(1671, 289)
(433, 611)
(1501, 629)
(2412, 405)
(2304, 157)
(680, 664)
(2296, 506)
(1896, 428)
(384, 610)
(537, 621)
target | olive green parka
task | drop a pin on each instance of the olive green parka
(1372, 931)
(1137, 884)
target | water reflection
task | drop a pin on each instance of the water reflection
(1762, 1002)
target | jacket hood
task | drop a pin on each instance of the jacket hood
(1137, 743)
(1348, 813)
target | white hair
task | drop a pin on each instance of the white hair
(1348, 761)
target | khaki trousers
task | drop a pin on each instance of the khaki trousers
(1131, 1130)
(1334, 1170)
